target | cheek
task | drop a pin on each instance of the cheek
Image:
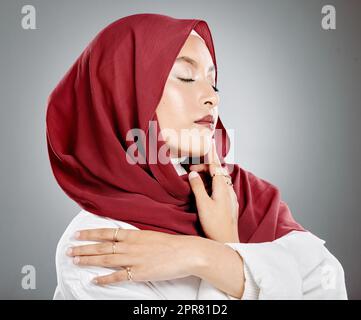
(175, 108)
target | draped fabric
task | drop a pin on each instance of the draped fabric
(113, 87)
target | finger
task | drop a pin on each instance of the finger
(212, 156)
(103, 234)
(199, 167)
(205, 168)
(198, 188)
(97, 249)
(215, 167)
(220, 181)
(114, 277)
(108, 260)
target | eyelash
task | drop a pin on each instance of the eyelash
(191, 80)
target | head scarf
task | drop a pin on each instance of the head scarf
(115, 85)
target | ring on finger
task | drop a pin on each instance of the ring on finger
(221, 174)
(114, 247)
(129, 274)
(228, 181)
(115, 234)
(225, 175)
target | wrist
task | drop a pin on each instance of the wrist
(236, 235)
(234, 238)
(196, 253)
(217, 264)
(231, 236)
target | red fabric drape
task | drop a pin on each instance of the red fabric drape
(115, 85)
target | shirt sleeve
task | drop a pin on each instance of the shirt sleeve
(295, 266)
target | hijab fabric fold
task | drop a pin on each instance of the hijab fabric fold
(114, 86)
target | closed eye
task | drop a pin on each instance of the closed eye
(186, 80)
(192, 80)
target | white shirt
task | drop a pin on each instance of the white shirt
(295, 266)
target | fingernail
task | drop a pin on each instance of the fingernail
(95, 281)
(193, 174)
(69, 251)
(76, 260)
(77, 235)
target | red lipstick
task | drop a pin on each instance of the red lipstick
(207, 121)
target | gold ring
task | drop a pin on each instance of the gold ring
(113, 246)
(129, 274)
(229, 182)
(115, 234)
(221, 174)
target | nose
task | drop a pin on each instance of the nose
(209, 98)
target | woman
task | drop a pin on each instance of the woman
(135, 139)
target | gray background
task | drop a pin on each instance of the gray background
(291, 90)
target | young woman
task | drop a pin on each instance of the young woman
(163, 215)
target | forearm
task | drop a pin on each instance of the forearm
(219, 265)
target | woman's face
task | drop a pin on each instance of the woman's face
(189, 95)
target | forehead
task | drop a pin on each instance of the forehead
(195, 48)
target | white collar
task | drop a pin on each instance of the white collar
(177, 166)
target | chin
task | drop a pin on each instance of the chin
(193, 145)
(196, 150)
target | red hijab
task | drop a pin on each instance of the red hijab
(115, 85)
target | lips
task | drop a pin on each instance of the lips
(207, 121)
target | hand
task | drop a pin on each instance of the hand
(151, 255)
(218, 214)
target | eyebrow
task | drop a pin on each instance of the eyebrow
(193, 62)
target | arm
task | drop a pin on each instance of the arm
(222, 269)
(75, 282)
(175, 256)
(219, 265)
